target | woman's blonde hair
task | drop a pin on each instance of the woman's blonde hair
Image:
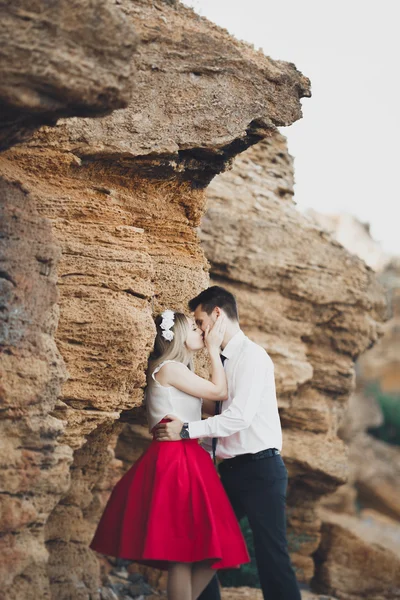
(174, 350)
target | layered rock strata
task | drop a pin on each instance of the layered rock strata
(34, 465)
(366, 522)
(374, 465)
(100, 223)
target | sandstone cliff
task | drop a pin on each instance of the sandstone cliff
(98, 231)
(374, 465)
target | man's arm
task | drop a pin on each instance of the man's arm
(252, 371)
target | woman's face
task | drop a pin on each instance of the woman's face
(194, 338)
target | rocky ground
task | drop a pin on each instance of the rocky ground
(252, 594)
(125, 585)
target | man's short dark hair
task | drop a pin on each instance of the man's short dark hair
(216, 296)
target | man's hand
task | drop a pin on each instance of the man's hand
(169, 432)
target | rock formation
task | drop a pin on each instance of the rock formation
(351, 567)
(354, 236)
(182, 120)
(310, 303)
(61, 59)
(374, 465)
(98, 232)
(367, 511)
(382, 363)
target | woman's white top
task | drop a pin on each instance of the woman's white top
(162, 400)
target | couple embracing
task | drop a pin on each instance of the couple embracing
(171, 510)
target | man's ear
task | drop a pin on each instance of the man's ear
(217, 311)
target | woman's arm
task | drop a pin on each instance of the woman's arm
(179, 376)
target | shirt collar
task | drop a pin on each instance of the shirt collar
(233, 344)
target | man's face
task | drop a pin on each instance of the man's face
(203, 320)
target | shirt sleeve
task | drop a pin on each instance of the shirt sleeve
(255, 373)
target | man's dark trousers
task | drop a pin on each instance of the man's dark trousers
(257, 489)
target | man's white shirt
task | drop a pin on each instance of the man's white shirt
(249, 421)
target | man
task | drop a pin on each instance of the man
(249, 440)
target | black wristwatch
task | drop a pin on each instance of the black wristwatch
(184, 433)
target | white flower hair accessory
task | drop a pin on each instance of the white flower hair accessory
(168, 320)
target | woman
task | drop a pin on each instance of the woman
(170, 511)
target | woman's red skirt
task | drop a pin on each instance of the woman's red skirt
(171, 506)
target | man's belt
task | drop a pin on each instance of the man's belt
(257, 456)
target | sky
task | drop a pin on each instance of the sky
(346, 146)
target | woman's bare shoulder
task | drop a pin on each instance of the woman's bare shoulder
(172, 366)
(168, 370)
